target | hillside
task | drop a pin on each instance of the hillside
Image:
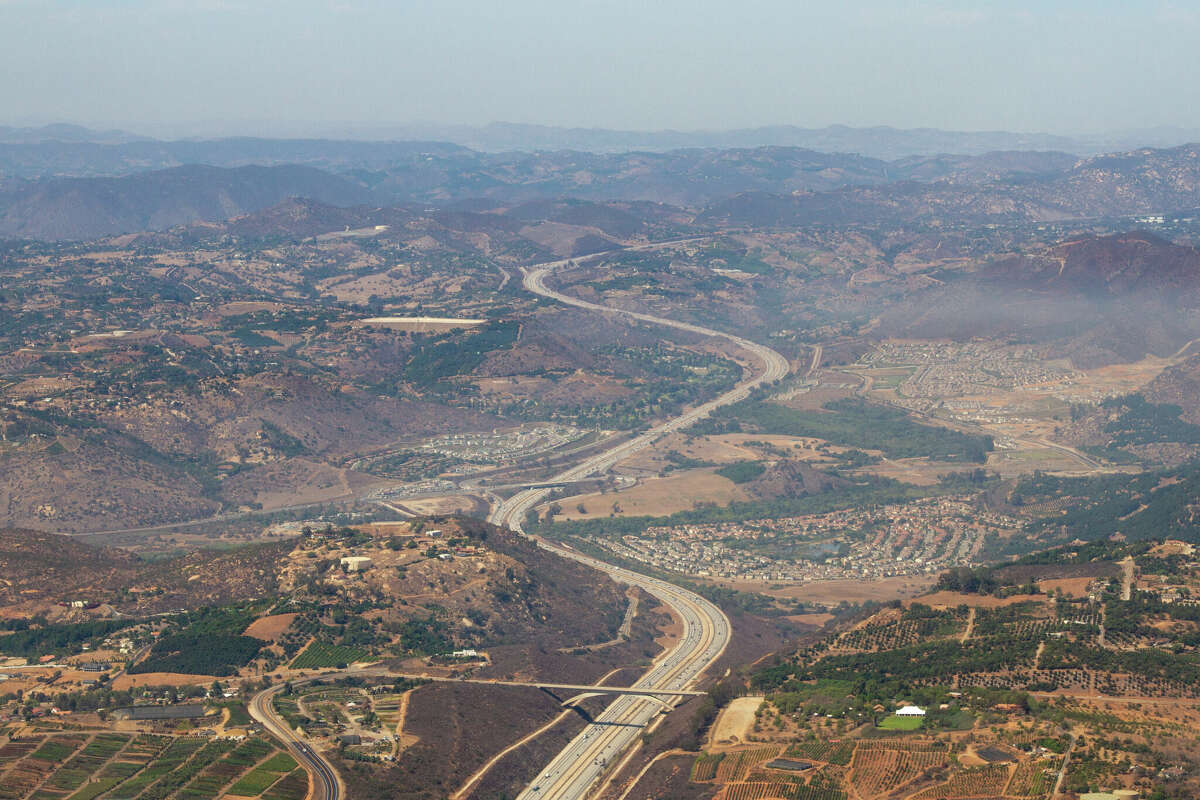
(147, 463)
(493, 588)
(1144, 181)
(86, 208)
(790, 478)
(761, 186)
(1097, 299)
(42, 569)
(1121, 266)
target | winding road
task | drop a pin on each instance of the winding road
(706, 630)
(324, 781)
(576, 769)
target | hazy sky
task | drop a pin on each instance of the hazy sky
(269, 66)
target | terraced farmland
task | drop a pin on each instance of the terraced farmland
(127, 766)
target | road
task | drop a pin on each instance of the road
(818, 353)
(1127, 566)
(1062, 772)
(575, 770)
(324, 781)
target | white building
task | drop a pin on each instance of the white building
(911, 711)
(356, 563)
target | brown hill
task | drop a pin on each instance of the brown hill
(1118, 266)
(1099, 300)
(789, 478)
(140, 464)
(45, 568)
(1179, 385)
(516, 592)
(33, 563)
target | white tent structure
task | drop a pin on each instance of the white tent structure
(911, 711)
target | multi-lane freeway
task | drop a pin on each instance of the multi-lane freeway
(577, 768)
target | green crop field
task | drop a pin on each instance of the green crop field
(319, 654)
(897, 723)
(293, 787)
(280, 762)
(264, 776)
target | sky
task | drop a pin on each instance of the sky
(269, 67)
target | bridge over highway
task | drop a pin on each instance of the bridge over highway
(573, 773)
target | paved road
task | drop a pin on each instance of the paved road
(324, 781)
(575, 770)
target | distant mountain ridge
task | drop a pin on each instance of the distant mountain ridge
(879, 141)
(1144, 181)
(764, 187)
(86, 208)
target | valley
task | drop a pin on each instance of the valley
(734, 450)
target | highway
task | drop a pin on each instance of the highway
(706, 631)
(324, 782)
(576, 769)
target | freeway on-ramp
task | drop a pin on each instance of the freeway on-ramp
(575, 770)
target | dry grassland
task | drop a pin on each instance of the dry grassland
(1072, 587)
(955, 599)
(833, 592)
(127, 681)
(269, 628)
(656, 497)
(735, 721)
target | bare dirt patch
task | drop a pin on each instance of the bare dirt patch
(736, 721)
(1072, 587)
(670, 633)
(438, 506)
(269, 628)
(162, 679)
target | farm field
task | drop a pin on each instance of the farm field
(128, 766)
(320, 654)
(917, 767)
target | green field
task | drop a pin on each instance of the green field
(897, 723)
(293, 787)
(319, 654)
(855, 423)
(264, 776)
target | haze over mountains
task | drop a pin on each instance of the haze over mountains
(69, 183)
(880, 141)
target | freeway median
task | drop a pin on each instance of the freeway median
(573, 773)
